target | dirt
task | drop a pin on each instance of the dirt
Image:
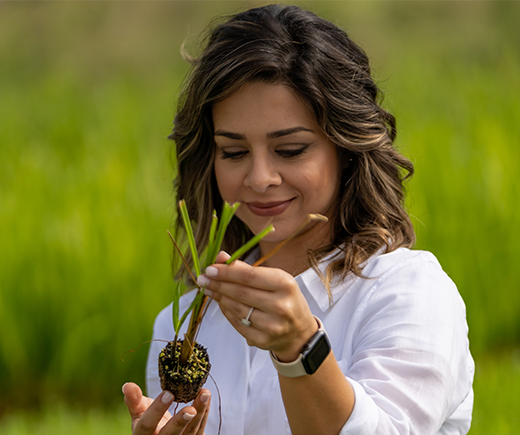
(183, 380)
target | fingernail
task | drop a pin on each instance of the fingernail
(187, 416)
(123, 387)
(167, 397)
(203, 281)
(211, 271)
(208, 293)
(205, 397)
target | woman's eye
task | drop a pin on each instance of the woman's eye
(291, 152)
(233, 155)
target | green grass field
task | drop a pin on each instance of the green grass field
(87, 98)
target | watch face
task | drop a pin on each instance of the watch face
(316, 351)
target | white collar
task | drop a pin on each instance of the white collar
(310, 282)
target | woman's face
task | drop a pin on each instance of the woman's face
(273, 158)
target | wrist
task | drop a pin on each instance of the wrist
(288, 355)
(310, 358)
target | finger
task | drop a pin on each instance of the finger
(222, 257)
(255, 334)
(202, 405)
(149, 420)
(269, 279)
(238, 299)
(243, 296)
(251, 286)
(177, 424)
(136, 403)
(204, 421)
(203, 400)
(238, 312)
(268, 324)
(264, 334)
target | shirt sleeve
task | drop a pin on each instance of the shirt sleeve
(410, 367)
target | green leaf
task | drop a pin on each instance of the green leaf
(191, 237)
(213, 228)
(240, 251)
(217, 230)
(227, 214)
(193, 304)
(177, 293)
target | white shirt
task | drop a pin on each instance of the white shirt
(400, 338)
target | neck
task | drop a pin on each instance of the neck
(293, 256)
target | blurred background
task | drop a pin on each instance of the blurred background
(87, 99)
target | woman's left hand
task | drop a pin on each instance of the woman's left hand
(281, 320)
(151, 417)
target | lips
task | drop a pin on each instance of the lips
(269, 208)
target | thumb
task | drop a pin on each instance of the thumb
(134, 400)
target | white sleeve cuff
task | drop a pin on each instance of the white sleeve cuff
(365, 415)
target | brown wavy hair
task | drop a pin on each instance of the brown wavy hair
(294, 47)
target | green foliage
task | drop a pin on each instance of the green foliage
(63, 419)
(497, 382)
(459, 126)
(217, 232)
(191, 238)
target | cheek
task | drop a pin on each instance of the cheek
(319, 181)
(226, 182)
(323, 183)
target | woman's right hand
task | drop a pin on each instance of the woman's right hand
(151, 417)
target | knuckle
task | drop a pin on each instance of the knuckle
(232, 308)
(236, 310)
(144, 426)
(248, 275)
(286, 281)
(240, 293)
(282, 308)
(276, 330)
(178, 421)
(215, 285)
(191, 429)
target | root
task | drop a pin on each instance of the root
(142, 344)
(219, 405)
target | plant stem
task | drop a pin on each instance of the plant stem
(250, 244)
(218, 228)
(191, 237)
(186, 265)
(310, 217)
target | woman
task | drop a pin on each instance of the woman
(344, 330)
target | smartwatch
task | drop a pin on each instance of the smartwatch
(313, 354)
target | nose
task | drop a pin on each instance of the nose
(262, 174)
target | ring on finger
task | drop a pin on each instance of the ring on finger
(246, 321)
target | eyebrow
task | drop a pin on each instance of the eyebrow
(271, 135)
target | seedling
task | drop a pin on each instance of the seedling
(184, 364)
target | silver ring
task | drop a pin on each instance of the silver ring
(246, 321)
